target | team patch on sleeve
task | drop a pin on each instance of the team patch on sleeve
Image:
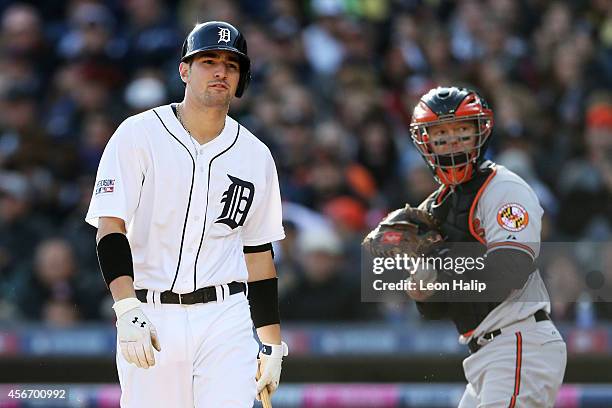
(512, 217)
(105, 186)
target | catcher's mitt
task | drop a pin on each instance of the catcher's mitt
(407, 230)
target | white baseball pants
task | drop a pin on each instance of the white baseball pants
(208, 358)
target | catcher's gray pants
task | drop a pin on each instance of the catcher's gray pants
(522, 367)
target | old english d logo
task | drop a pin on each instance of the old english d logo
(224, 35)
(237, 199)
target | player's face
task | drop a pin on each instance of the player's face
(452, 137)
(213, 77)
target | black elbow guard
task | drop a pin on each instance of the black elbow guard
(115, 257)
(263, 298)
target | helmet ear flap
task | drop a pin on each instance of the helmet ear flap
(243, 82)
(184, 48)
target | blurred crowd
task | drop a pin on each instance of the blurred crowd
(334, 84)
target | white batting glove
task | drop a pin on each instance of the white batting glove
(137, 335)
(270, 360)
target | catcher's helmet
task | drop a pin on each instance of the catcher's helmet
(444, 105)
(219, 35)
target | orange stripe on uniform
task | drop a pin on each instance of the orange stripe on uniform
(473, 207)
(517, 372)
(468, 333)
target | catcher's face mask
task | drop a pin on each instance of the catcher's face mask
(450, 128)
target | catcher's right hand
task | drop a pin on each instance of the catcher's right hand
(411, 231)
(137, 335)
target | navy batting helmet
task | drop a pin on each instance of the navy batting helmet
(219, 35)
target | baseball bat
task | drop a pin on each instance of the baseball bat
(264, 396)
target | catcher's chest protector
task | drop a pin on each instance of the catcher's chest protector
(452, 208)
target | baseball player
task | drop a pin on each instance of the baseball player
(517, 355)
(187, 204)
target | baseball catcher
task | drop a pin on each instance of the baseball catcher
(517, 355)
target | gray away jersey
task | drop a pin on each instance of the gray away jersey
(509, 215)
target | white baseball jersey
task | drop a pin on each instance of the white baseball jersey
(509, 215)
(189, 209)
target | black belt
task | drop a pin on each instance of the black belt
(203, 295)
(539, 316)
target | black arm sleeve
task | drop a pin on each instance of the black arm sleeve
(115, 257)
(258, 248)
(504, 270)
(263, 298)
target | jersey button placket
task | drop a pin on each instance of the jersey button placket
(201, 165)
(196, 220)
